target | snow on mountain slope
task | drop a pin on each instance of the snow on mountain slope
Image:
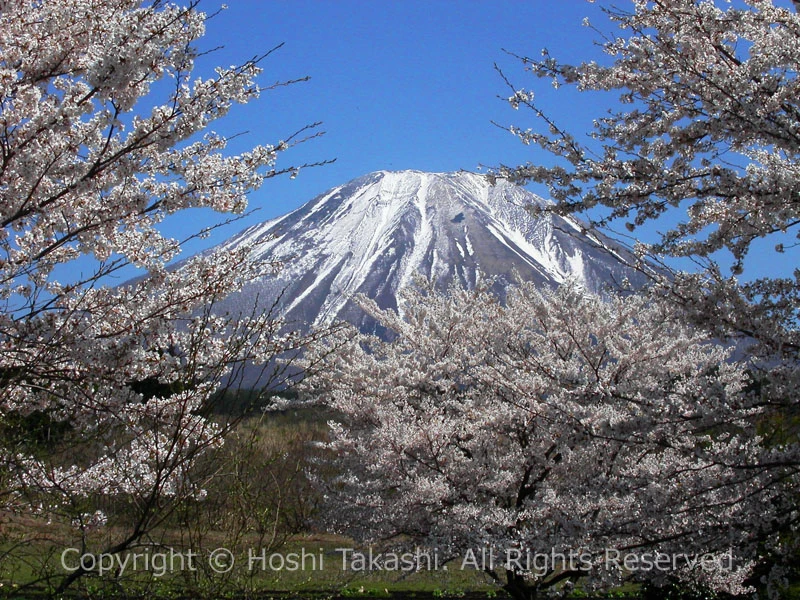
(373, 234)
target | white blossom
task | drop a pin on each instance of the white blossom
(557, 421)
(702, 143)
(103, 134)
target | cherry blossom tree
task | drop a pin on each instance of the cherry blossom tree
(555, 433)
(104, 133)
(701, 142)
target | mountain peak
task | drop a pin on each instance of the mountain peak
(475, 183)
(374, 233)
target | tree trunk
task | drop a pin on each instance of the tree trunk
(518, 588)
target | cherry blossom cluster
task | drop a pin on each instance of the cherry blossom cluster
(701, 144)
(556, 422)
(104, 134)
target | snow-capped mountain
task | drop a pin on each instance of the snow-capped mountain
(373, 234)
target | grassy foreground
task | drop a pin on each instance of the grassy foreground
(254, 535)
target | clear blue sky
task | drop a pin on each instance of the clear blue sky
(403, 84)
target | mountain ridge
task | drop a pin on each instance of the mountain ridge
(373, 234)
